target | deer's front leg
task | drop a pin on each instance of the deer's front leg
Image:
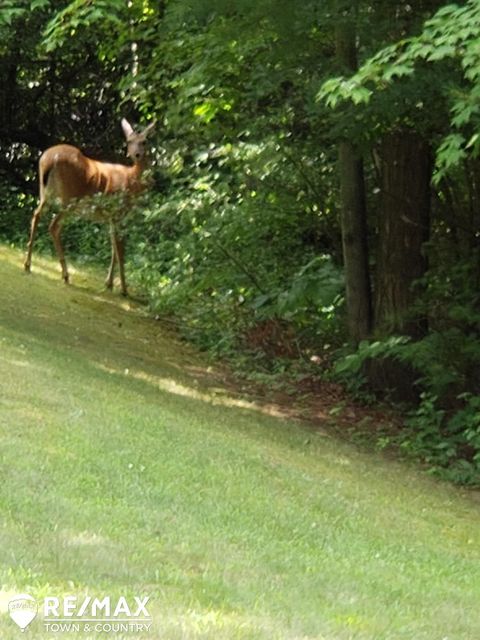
(119, 253)
(55, 228)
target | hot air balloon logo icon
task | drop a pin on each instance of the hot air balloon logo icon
(22, 610)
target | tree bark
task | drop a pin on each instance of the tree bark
(352, 194)
(354, 242)
(403, 230)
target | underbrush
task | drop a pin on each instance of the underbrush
(442, 427)
(253, 297)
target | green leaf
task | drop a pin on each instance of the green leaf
(361, 95)
(39, 4)
(473, 140)
(7, 16)
(463, 113)
(398, 70)
(449, 154)
(445, 51)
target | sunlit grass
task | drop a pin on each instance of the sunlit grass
(212, 396)
(125, 471)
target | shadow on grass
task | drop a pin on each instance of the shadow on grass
(109, 332)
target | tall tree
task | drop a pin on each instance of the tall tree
(352, 192)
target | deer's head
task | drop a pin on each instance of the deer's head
(136, 141)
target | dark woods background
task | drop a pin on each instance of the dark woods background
(315, 195)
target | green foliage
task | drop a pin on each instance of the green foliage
(248, 199)
(228, 255)
(443, 430)
(315, 290)
(353, 363)
(450, 445)
(15, 213)
(12, 10)
(79, 16)
(449, 44)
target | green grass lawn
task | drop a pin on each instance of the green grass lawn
(126, 469)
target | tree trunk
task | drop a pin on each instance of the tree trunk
(354, 242)
(403, 230)
(352, 194)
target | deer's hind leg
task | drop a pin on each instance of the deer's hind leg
(33, 230)
(55, 228)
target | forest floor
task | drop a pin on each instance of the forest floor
(129, 468)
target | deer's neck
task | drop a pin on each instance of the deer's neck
(135, 175)
(138, 168)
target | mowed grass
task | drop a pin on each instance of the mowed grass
(126, 469)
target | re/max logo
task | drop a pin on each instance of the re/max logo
(71, 607)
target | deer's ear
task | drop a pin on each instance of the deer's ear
(149, 129)
(127, 128)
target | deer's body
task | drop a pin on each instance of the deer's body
(66, 174)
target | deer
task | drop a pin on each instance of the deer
(66, 175)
